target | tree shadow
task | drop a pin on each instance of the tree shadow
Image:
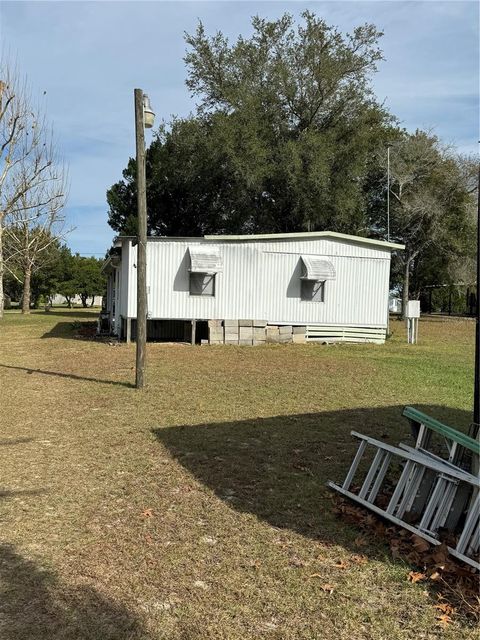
(7, 442)
(72, 313)
(35, 606)
(71, 376)
(277, 468)
(11, 493)
(63, 330)
(76, 330)
(67, 330)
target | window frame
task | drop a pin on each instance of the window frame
(303, 298)
(202, 294)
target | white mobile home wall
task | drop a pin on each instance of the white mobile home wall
(260, 279)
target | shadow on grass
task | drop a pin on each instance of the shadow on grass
(7, 442)
(34, 606)
(71, 376)
(65, 330)
(11, 493)
(72, 313)
(277, 468)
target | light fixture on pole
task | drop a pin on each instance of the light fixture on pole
(144, 118)
(148, 114)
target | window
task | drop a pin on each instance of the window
(316, 270)
(312, 291)
(202, 284)
(205, 262)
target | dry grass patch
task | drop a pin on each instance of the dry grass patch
(197, 509)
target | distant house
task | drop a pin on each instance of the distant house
(58, 299)
(395, 304)
(251, 289)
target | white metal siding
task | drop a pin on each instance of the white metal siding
(125, 278)
(261, 280)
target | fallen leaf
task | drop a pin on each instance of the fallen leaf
(444, 620)
(419, 544)
(360, 541)
(444, 607)
(370, 521)
(441, 555)
(328, 588)
(433, 563)
(395, 552)
(414, 558)
(357, 559)
(415, 576)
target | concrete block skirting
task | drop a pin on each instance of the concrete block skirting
(285, 329)
(272, 329)
(300, 330)
(298, 338)
(253, 332)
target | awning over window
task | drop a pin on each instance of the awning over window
(318, 269)
(205, 260)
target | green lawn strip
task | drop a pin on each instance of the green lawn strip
(197, 508)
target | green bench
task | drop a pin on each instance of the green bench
(426, 425)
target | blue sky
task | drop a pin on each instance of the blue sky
(88, 57)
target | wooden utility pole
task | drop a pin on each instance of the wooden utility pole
(141, 334)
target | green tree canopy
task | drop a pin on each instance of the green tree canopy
(88, 280)
(282, 138)
(288, 136)
(431, 211)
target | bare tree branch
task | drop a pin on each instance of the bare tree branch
(32, 184)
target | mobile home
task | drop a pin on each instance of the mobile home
(252, 289)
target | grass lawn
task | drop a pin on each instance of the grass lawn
(197, 508)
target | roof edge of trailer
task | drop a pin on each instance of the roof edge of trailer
(306, 234)
(259, 237)
(106, 264)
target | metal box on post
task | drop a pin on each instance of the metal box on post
(413, 316)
